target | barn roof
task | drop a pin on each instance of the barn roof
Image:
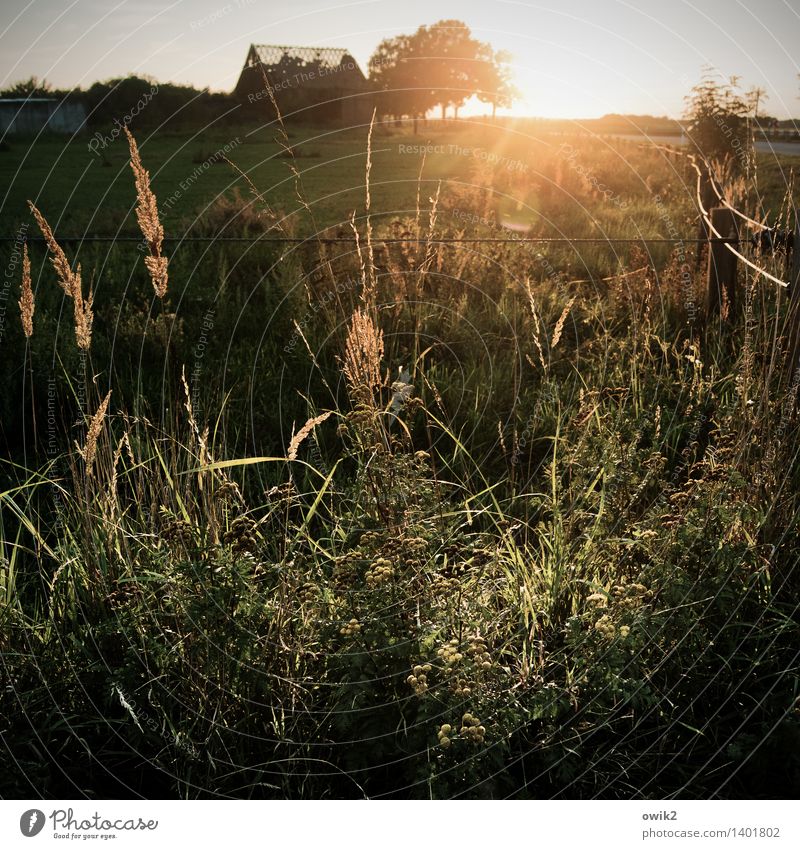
(272, 54)
(331, 66)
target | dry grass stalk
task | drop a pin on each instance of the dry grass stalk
(157, 266)
(312, 356)
(304, 431)
(58, 257)
(502, 438)
(95, 426)
(190, 412)
(112, 489)
(370, 252)
(70, 282)
(363, 353)
(149, 222)
(83, 313)
(536, 326)
(434, 201)
(419, 185)
(360, 256)
(559, 328)
(27, 305)
(201, 438)
(267, 210)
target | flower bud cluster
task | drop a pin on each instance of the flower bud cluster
(379, 572)
(444, 735)
(449, 653)
(351, 628)
(461, 687)
(472, 729)
(480, 656)
(419, 678)
(605, 626)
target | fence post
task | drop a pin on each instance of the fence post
(721, 263)
(707, 198)
(794, 302)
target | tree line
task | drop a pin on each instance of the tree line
(108, 101)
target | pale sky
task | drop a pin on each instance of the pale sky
(572, 58)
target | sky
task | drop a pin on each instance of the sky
(571, 58)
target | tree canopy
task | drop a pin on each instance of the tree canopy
(438, 65)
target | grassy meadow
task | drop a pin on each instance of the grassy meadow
(394, 519)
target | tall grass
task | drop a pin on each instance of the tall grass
(535, 538)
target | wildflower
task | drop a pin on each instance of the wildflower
(175, 530)
(624, 630)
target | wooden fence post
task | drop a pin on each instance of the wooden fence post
(794, 303)
(721, 263)
(707, 198)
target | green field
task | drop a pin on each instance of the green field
(89, 192)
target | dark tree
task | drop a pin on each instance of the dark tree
(439, 65)
(398, 75)
(718, 121)
(32, 87)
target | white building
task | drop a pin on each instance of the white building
(30, 115)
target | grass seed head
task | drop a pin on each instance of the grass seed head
(95, 426)
(27, 305)
(149, 221)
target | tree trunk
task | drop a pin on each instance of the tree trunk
(444, 107)
(494, 110)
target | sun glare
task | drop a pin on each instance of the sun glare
(541, 98)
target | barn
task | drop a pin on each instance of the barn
(30, 115)
(321, 85)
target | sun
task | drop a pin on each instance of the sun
(540, 96)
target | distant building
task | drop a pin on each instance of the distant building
(30, 115)
(321, 85)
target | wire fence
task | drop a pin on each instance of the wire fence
(704, 179)
(344, 240)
